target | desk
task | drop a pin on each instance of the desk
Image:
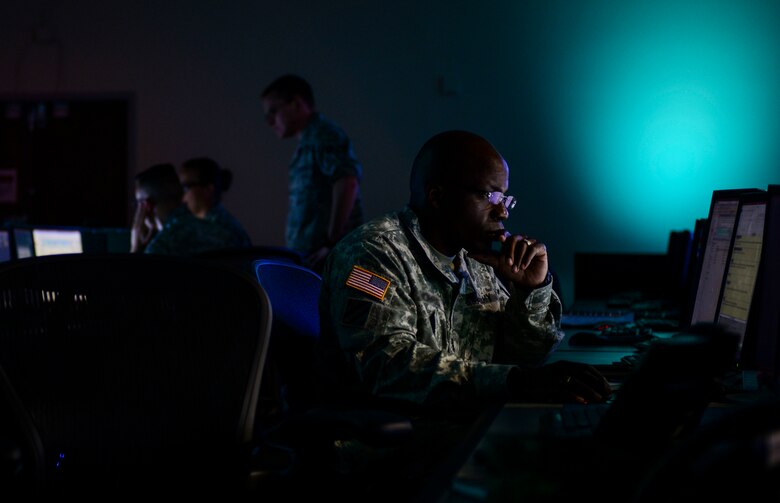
(512, 461)
(515, 428)
(594, 355)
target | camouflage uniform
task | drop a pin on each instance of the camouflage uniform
(324, 154)
(219, 215)
(185, 235)
(410, 325)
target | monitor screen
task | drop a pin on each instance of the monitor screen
(721, 221)
(742, 266)
(23, 243)
(57, 241)
(5, 245)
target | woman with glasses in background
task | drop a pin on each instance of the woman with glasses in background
(204, 181)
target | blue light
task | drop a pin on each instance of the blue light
(641, 109)
(678, 103)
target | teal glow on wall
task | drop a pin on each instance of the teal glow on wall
(659, 103)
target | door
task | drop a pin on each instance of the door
(64, 161)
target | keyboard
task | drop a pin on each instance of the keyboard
(590, 318)
(659, 324)
(606, 334)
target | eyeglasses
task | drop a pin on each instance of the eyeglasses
(494, 198)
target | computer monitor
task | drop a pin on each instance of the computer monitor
(56, 241)
(117, 240)
(98, 240)
(764, 321)
(741, 273)
(695, 253)
(23, 243)
(720, 228)
(679, 253)
(5, 245)
(93, 241)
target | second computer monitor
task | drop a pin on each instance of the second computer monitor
(741, 273)
(56, 241)
(23, 243)
(5, 245)
(721, 221)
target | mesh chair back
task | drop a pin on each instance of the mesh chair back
(128, 369)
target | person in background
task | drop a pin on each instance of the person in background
(323, 176)
(163, 224)
(204, 181)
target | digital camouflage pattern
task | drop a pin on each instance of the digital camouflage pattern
(323, 155)
(436, 324)
(185, 235)
(219, 215)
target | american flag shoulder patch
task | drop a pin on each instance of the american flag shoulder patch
(368, 282)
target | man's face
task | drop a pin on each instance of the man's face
(473, 221)
(283, 115)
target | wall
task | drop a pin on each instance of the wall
(618, 119)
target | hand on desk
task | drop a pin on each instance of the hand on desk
(559, 382)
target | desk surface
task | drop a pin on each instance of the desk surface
(514, 429)
(595, 355)
(510, 461)
(513, 463)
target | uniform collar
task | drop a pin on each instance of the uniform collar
(440, 261)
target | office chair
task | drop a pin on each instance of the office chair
(128, 372)
(294, 294)
(295, 415)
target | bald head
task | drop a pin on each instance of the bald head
(451, 156)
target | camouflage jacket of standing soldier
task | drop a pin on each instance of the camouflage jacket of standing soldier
(399, 321)
(324, 155)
